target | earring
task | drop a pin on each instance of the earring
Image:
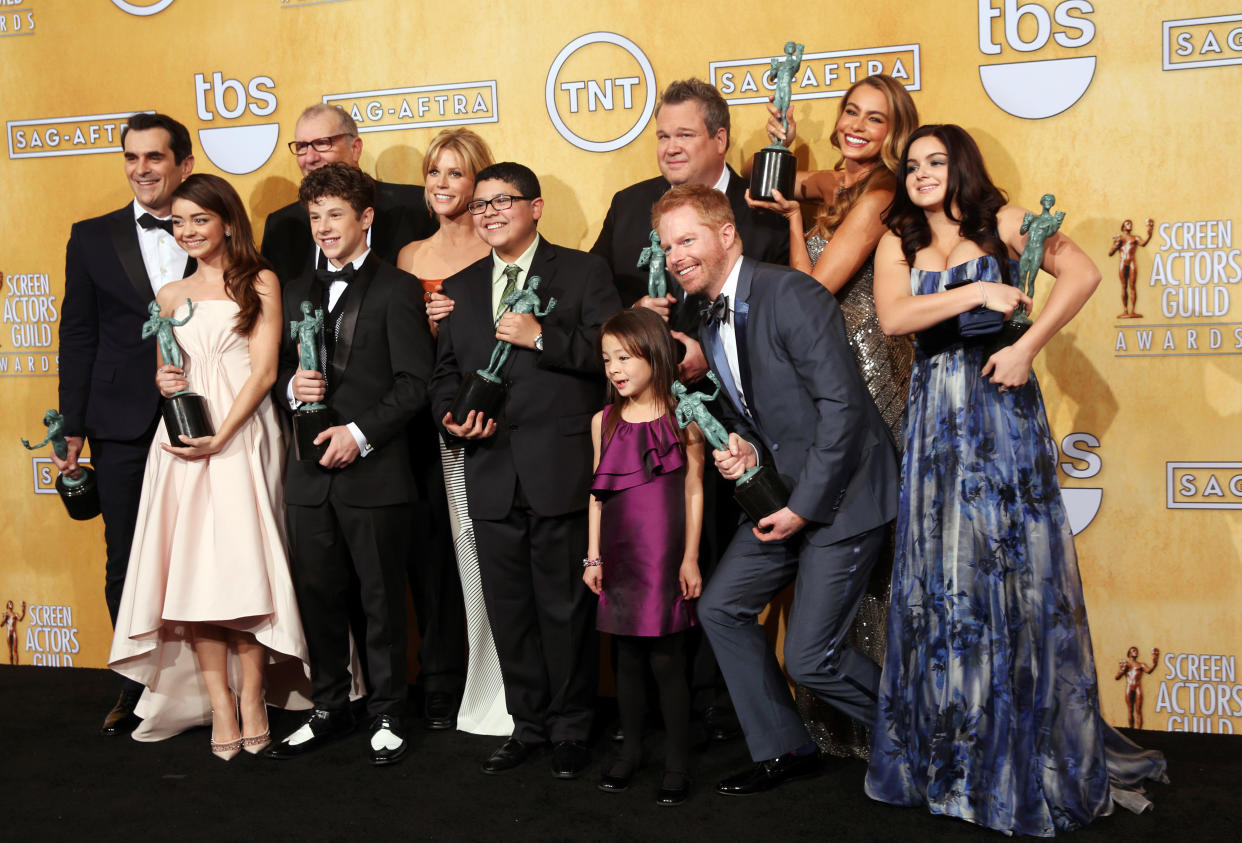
(228, 233)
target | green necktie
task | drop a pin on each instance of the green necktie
(512, 271)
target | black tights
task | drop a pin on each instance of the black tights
(666, 655)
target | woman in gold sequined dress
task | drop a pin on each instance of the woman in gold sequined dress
(875, 117)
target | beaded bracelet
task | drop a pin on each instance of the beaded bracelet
(592, 563)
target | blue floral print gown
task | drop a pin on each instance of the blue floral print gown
(988, 706)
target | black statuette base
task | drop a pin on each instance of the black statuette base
(775, 167)
(480, 394)
(82, 498)
(186, 414)
(761, 494)
(307, 424)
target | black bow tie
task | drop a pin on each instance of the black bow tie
(149, 222)
(327, 276)
(717, 311)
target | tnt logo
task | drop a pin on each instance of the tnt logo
(236, 149)
(1035, 88)
(600, 91)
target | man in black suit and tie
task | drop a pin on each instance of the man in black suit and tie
(796, 401)
(348, 513)
(528, 470)
(114, 265)
(326, 134)
(692, 137)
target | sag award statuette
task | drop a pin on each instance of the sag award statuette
(80, 494)
(484, 390)
(184, 412)
(652, 257)
(775, 166)
(1038, 229)
(759, 491)
(313, 418)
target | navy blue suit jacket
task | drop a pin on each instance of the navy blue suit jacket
(811, 412)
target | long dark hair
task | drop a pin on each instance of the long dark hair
(242, 260)
(968, 189)
(643, 334)
(903, 118)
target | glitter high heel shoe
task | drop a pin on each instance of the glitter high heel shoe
(226, 750)
(256, 743)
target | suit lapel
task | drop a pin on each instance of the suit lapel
(349, 319)
(741, 316)
(124, 234)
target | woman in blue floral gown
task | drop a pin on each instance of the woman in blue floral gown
(988, 705)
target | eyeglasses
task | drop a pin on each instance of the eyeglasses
(500, 202)
(320, 144)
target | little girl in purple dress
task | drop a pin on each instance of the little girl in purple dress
(646, 512)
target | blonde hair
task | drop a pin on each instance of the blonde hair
(470, 148)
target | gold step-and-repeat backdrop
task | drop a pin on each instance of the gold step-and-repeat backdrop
(1125, 111)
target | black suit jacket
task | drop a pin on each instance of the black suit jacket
(765, 237)
(811, 411)
(543, 435)
(378, 380)
(107, 370)
(401, 217)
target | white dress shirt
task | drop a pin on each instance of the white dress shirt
(161, 255)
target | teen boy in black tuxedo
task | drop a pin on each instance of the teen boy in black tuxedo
(349, 513)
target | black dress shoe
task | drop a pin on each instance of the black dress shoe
(323, 726)
(721, 723)
(674, 788)
(769, 774)
(387, 740)
(440, 711)
(510, 754)
(618, 777)
(121, 719)
(569, 759)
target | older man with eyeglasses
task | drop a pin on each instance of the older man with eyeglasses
(325, 134)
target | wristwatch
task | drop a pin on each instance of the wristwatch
(539, 342)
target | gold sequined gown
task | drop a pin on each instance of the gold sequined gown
(885, 363)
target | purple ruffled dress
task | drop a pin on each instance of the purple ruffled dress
(641, 483)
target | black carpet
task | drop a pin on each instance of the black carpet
(60, 780)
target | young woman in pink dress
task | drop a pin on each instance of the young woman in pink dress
(208, 600)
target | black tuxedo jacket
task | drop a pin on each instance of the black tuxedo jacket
(107, 370)
(543, 434)
(378, 380)
(811, 411)
(627, 227)
(401, 217)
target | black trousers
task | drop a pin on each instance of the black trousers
(543, 619)
(436, 589)
(119, 467)
(331, 544)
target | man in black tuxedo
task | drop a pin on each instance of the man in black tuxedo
(326, 134)
(692, 137)
(114, 265)
(777, 343)
(348, 513)
(528, 470)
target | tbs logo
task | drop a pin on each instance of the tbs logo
(236, 149)
(1036, 88)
